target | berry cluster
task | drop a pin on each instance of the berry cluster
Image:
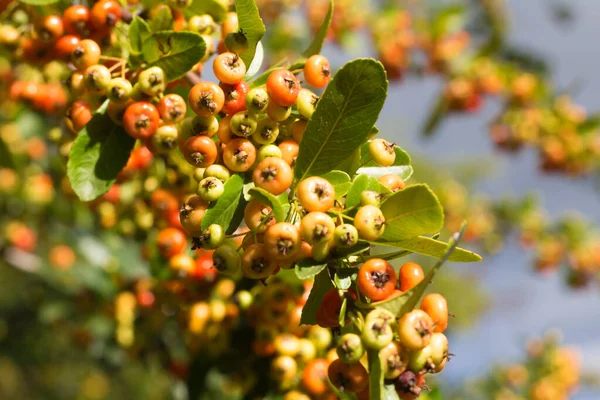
(169, 158)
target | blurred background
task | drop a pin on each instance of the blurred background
(56, 344)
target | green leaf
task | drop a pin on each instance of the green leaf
(162, 21)
(405, 302)
(449, 20)
(411, 212)
(320, 287)
(343, 118)
(343, 277)
(375, 375)
(340, 181)
(361, 183)
(98, 154)
(435, 117)
(223, 210)
(590, 125)
(257, 62)
(341, 395)
(6, 159)
(404, 171)
(307, 268)
(433, 248)
(252, 26)
(389, 392)
(342, 315)
(215, 8)
(38, 2)
(139, 31)
(317, 43)
(358, 248)
(175, 52)
(268, 199)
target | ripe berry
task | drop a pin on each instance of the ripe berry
(282, 241)
(436, 307)
(75, 20)
(414, 329)
(172, 108)
(141, 120)
(273, 174)
(229, 68)
(317, 71)
(206, 98)
(200, 151)
(376, 279)
(370, 222)
(105, 14)
(86, 53)
(410, 275)
(382, 152)
(317, 227)
(239, 155)
(283, 87)
(50, 28)
(235, 97)
(316, 194)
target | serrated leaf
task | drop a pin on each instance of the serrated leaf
(175, 52)
(343, 118)
(411, 212)
(223, 210)
(139, 31)
(307, 268)
(405, 302)
(252, 26)
(97, 155)
(268, 199)
(257, 62)
(215, 8)
(361, 183)
(431, 247)
(375, 375)
(320, 287)
(162, 20)
(340, 181)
